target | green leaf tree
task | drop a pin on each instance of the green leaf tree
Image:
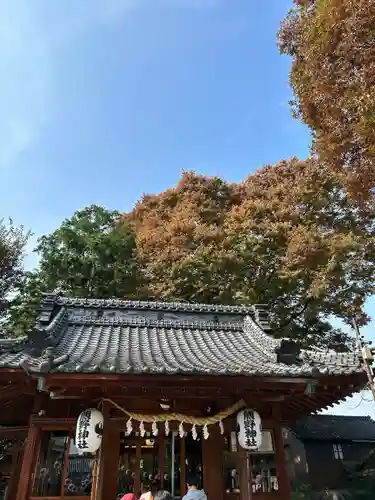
(289, 236)
(89, 255)
(13, 241)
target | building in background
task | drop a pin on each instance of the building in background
(330, 452)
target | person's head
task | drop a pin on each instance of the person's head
(163, 495)
(154, 487)
(146, 485)
(193, 482)
(128, 488)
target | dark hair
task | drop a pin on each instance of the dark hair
(193, 480)
(154, 486)
(128, 488)
(163, 495)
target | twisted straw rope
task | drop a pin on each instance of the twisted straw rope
(163, 417)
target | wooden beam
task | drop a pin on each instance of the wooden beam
(6, 372)
(290, 380)
(54, 424)
(14, 431)
(209, 398)
(71, 397)
(61, 379)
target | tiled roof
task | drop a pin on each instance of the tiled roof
(335, 428)
(114, 336)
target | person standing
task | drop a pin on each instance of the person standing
(152, 489)
(194, 490)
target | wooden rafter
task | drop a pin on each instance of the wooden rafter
(10, 391)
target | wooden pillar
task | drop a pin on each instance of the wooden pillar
(212, 454)
(161, 457)
(94, 480)
(281, 465)
(108, 461)
(282, 470)
(245, 476)
(138, 457)
(182, 466)
(16, 469)
(31, 450)
(65, 464)
(28, 463)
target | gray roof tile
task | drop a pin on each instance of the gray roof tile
(72, 337)
(335, 427)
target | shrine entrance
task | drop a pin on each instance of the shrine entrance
(132, 463)
(166, 460)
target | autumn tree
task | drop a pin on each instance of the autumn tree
(89, 255)
(288, 236)
(13, 241)
(180, 233)
(332, 45)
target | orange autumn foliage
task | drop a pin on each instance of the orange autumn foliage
(332, 45)
(288, 236)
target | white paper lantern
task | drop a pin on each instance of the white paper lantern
(249, 429)
(89, 431)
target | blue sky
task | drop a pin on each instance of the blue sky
(103, 100)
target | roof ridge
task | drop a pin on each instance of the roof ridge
(158, 323)
(155, 304)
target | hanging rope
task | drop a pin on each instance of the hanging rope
(186, 419)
